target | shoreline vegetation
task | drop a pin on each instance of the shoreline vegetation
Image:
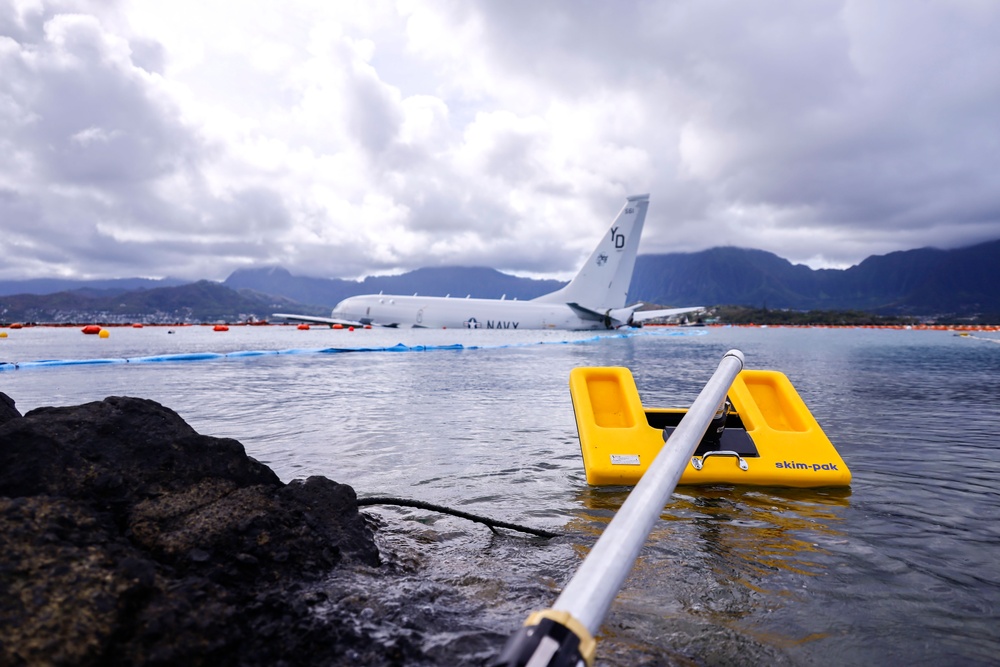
(714, 316)
(742, 315)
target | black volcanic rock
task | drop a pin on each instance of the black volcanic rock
(7, 409)
(130, 539)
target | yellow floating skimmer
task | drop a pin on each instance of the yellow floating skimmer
(763, 435)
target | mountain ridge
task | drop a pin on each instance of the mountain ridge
(201, 301)
(481, 282)
(963, 282)
(910, 282)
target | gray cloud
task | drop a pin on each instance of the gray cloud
(357, 140)
(99, 151)
(839, 116)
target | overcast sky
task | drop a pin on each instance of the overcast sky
(191, 138)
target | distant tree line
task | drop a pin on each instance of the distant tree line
(764, 315)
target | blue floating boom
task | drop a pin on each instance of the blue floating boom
(399, 347)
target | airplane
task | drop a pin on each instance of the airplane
(594, 299)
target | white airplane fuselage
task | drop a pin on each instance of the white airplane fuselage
(594, 299)
(457, 313)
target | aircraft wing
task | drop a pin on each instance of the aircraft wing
(612, 317)
(585, 313)
(312, 319)
(643, 315)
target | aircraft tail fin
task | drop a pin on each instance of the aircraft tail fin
(604, 280)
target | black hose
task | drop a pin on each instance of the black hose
(490, 523)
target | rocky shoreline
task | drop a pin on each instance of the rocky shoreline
(130, 539)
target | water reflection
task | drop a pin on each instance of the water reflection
(719, 559)
(901, 569)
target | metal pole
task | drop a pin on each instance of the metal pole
(588, 595)
(564, 634)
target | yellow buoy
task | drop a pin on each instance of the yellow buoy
(3, 334)
(104, 333)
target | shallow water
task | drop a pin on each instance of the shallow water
(900, 569)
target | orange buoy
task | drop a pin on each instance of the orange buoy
(16, 325)
(136, 325)
(220, 327)
(303, 327)
(368, 326)
(337, 326)
(91, 329)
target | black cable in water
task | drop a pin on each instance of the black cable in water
(489, 523)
